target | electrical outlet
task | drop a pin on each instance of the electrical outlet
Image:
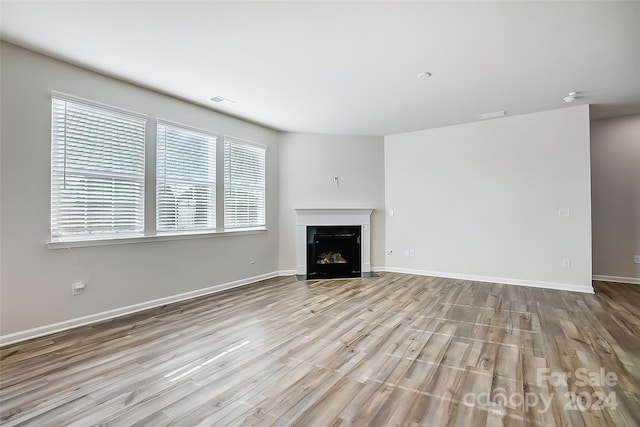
(77, 288)
(412, 252)
(566, 263)
(252, 259)
(636, 259)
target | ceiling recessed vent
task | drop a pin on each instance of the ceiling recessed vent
(218, 98)
(493, 115)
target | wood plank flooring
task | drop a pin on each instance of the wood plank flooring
(395, 350)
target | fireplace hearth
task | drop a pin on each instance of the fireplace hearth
(333, 252)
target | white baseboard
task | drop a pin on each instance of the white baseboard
(287, 273)
(105, 315)
(518, 282)
(618, 279)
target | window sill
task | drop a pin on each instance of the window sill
(160, 237)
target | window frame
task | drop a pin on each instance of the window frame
(59, 145)
(201, 133)
(226, 181)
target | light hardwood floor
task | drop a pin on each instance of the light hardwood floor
(392, 350)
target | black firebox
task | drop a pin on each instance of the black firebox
(333, 251)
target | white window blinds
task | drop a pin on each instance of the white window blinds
(97, 169)
(244, 184)
(186, 178)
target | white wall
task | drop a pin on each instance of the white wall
(615, 192)
(307, 163)
(36, 281)
(481, 200)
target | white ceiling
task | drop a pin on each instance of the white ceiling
(351, 67)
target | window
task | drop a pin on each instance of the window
(244, 184)
(186, 178)
(98, 156)
(97, 169)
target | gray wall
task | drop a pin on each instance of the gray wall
(615, 181)
(478, 200)
(35, 285)
(481, 200)
(307, 163)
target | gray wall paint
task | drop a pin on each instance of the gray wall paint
(36, 281)
(307, 163)
(615, 181)
(483, 198)
(478, 199)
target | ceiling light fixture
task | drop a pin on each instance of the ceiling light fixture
(571, 97)
(424, 75)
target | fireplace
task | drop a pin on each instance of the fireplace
(333, 252)
(350, 231)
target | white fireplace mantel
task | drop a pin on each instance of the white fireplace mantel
(338, 217)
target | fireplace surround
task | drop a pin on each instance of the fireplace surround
(337, 222)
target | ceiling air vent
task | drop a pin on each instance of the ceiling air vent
(493, 115)
(218, 98)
